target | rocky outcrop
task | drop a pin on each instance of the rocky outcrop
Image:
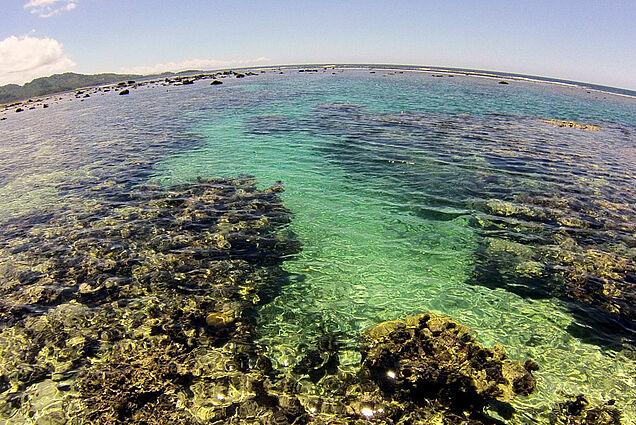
(572, 124)
(578, 410)
(430, 357)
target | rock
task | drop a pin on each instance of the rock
(503, 82)
(123, 92)
(577, 410)
(163, 327)
(216, 319)
(186, 82)
(45, 105)
(216, 82)
(572, 124)
(239, 75)
(19, 110)
(436, 358)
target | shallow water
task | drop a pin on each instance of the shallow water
(409, 194)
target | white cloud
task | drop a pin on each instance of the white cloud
(25, 58)
(200, 64)
(48, 8)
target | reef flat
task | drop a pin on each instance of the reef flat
(445, 250)
(133, 298)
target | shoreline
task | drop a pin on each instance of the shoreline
(590, 87)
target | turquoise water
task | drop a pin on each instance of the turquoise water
(395, 182)
(384, 214)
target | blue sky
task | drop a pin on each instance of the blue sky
(589, 41)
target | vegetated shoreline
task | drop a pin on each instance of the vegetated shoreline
(18, 94)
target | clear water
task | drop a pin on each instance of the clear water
(387, 176)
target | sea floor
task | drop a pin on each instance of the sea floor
(403, 193)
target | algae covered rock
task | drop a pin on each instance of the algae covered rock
(571, 124)
(138, 294)
(578, 410)
(431, 357)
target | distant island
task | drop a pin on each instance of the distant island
(57, 83)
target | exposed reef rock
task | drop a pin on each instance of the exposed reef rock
(434, 357)
(572, 124)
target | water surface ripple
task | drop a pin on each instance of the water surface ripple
(407, 194)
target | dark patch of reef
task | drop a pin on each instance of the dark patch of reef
(574, 259)
(578, 410)
(118, 308)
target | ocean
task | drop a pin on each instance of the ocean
(165, 244)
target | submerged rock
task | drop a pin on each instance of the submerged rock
(573, 261)
(136, 295)
(577, 410)
(430, 357)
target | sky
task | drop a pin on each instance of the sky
(580, 40)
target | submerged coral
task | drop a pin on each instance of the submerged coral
(112, 302)
(139, 309)
(577, 410)
(434, 357)
(570, 255)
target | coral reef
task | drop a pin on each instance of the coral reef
(434, 357)
(577, 410)
(572, 124)
(570, 256)
(138, 310)
(113, 303)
